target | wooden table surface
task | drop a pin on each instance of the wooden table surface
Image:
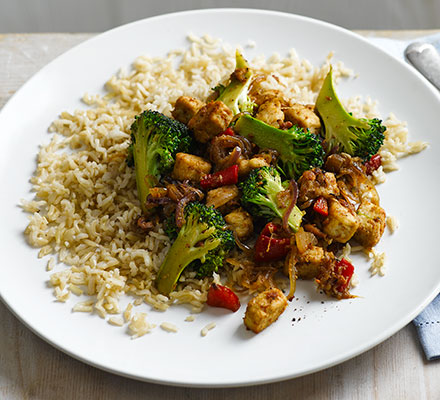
(32, 369)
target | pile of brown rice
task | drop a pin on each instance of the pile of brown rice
(85, 195)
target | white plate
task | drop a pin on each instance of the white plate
(324, 332)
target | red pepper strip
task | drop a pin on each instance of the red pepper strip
(321, 206)
(374, 163)
(228, 132)
(222, 296)
(269, 248)
(346, 269)
(228, 176)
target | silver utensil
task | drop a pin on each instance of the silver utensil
(425, 57)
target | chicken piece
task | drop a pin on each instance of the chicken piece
(210, 120)
(307, 256)
(341, 223)
(315, 183)
(304, 116)
(271, 113)
(185, 108)
(264, 309)
(190, 167)
(221, 196)
(310, 261)
(259, 94)
(372, 220)
(246, 166)
(240, 221)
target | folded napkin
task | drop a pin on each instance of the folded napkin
(428, 321)
(428, 328)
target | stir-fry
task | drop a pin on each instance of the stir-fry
(250, 179)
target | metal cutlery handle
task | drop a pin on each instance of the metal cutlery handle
(425, 57)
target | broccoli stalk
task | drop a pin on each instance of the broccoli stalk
(298, 150)
(235, 94)
(357, 137)
(202, 243)
(155, 141)
(260, 196)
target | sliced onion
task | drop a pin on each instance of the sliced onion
(293, 187)
(221, 146)
(180, 208)
(304, 240)
(232, 159)
(244, 247)
(290, 263)
(144, 224)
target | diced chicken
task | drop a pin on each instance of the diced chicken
(341, 223)
(309, 262)
(185, 108)
(308, 257)
(271, 113)
(190, 167)
(315, 183)
(259, 93)
(304, 116)
(246, 166)
(264, 309)
(221, 196)
(210, 120)
(240, 221)
(372, 220)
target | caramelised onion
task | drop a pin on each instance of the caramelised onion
(251, 276)
(180, 208)
(291, 268)
(243, 247)
(304, 240)
(220, 150)
(293, 188)
(144, 224)
(184, 193)
(233, 157)
(157, 196)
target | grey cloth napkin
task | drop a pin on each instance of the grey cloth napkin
(428, 321)
(428, 328)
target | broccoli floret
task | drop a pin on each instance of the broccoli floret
(298, 150)
(357, 137)
(259, 196)
(235, 94)
(156, 139)
(201, 243)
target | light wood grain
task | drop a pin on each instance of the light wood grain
(32, 369)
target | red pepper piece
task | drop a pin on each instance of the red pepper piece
(222, 296)
(228, 176)
(270, 248)
(346, 269)
(228, 132)
(374, 163)
(321, 206)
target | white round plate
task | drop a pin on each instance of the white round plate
(315, 332)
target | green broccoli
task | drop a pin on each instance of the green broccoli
(357, 137)
(235, 94)
(202, 244)
(259, 196)
(298, 150)
(156, 139)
